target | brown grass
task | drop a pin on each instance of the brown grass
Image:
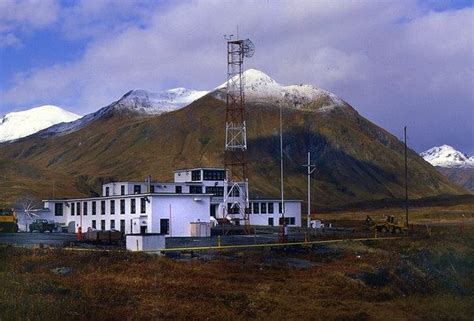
(408, 279)
(417, 215)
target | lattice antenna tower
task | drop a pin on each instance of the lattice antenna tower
(236, 194)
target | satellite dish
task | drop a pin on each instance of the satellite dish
(248, 48)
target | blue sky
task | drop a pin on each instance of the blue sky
(397, 62)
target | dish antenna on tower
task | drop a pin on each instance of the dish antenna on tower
(236, 191)
(248, 48)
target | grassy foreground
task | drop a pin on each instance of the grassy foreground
(409, 279)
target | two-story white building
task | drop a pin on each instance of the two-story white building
(194, 197)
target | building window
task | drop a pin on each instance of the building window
(288, 220)
(102, 225)
(256, 208)
(152, 188)
(216, 190)
(112, 224)
(58, 209)
(94, 225)
(122, 226)
(195, 189)
(132, 205)
(107, 191)
(178, 189)
(137, 189)
(214, 175)
(235, 209)
(112, 207)
(235, 191)
(270, 208)
(78, 208)
(102, 207)
(279, 208)
(142, 205)
(73, 209)
(196, 175)
(270, 221)
(122, 206)
(85, 208)
(94, 208)
(263, 208)
(164, 226)
(122, 190)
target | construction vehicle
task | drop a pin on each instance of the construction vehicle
(389, 224)
(42, 225)
(8, 221)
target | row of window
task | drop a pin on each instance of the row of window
(208, 175)
(288, 221)
(111, 225)
(264, 208)
(76, 207)
(219, 191)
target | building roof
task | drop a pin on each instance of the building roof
(197, 168)
(273, 199)
(128, 196)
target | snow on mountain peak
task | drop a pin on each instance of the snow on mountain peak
(447, 156)
(158, 103)
(16, 125)
(259, 87)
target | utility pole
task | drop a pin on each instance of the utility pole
(406, 177)
(310, 170)
(282, 218)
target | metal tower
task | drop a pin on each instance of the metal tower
(236, 199)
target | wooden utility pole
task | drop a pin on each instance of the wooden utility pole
(310, 170)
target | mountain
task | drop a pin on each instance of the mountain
(24, 123)
(138, 102)
(447, 156)
(455, 165)
(356, 160)
(260, 88)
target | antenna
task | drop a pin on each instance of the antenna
(236, 199)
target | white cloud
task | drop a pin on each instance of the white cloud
(386, 58)
(20, 16)
(9, 40)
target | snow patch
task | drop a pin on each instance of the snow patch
(447, 156)
(20, 124)
(259, 87)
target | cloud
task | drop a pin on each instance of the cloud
(20, 16)
(9, 40)
(394, 61)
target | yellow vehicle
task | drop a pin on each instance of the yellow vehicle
(388, 225)
(8, 221)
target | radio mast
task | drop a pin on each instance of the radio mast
(236, 194)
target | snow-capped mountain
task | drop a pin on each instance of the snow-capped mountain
(259, 87)
(158, 103)
(24, 123)
(138, 102)
(447, 156)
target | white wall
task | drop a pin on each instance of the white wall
(181, 211)
(184, 209)
(292, 209)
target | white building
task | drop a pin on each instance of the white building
(195, 196)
